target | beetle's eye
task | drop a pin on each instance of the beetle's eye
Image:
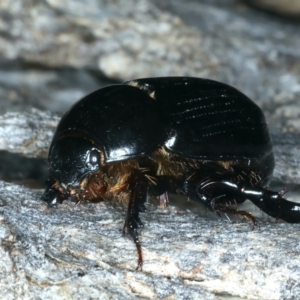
(94, 157)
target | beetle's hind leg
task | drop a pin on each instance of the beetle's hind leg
(274, 203)
(241, 213)
(218, 196)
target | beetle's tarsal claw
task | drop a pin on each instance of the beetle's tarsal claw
(50, 196)
(140, 256)
(132, 224)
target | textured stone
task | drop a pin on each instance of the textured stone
(28, 133)
(287, 156)
(79, 252)
(54, 52)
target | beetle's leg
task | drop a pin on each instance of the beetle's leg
(217, 199)
(51, 195)
(218, 195)
(273, 203)
(243, 214)
(139, 191)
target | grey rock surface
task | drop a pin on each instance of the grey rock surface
(108, 38)
(287, 157)
(29, 133)
(52, 53)
(75, 252)
(79, 253)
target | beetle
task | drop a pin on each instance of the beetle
(149, 137)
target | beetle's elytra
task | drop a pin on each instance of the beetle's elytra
(153, 136)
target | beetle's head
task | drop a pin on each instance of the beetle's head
(72, 161)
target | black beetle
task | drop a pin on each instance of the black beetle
(196, 137)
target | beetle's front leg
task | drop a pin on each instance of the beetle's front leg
(51, 195)
(138, 197)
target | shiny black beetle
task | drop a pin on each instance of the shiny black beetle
(196, 137)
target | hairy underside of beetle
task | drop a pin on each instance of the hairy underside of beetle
(115, 180)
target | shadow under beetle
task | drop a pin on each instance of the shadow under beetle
(196, 137)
